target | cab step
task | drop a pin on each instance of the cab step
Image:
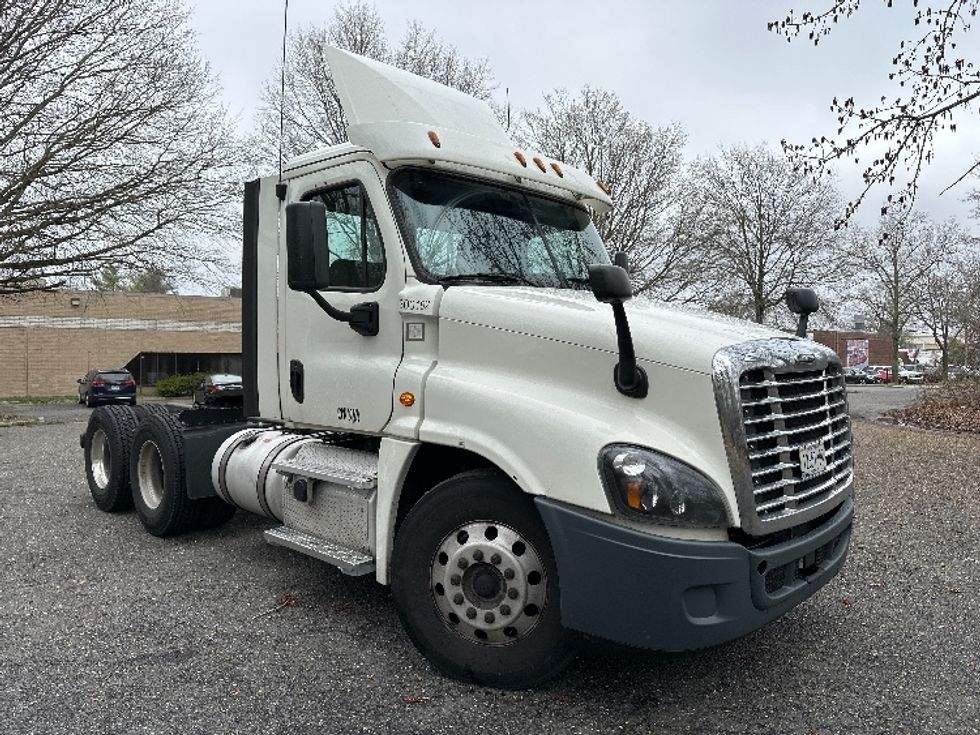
(338, 465)
(349, 561)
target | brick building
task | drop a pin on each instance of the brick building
(879, 347)
(49, 340)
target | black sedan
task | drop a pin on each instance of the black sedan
(861, 376)
(107, 386)
(219, 389)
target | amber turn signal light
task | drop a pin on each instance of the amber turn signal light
(407, 399)
(633, 495)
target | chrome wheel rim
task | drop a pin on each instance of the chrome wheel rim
(149, 469)
(101, 458)
(488, 583)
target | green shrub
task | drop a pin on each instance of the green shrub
(179, 385)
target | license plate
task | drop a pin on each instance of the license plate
(813, 460)
(113, 387)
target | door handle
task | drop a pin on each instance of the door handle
(296, 380)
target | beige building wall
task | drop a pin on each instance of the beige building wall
(48, 341)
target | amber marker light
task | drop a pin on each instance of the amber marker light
(407, 399)
(520, 158)
(633, 495)
(540, 165)
(434, 138)
(557, 169)
(605, 187)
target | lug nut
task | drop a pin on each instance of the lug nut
(488, 617)
(471, 613)
(463, 563)
(458, 598)
(495, 559)
(505, 610)
(512, 593)
(455, 579)
(477, 555)
(508, 574)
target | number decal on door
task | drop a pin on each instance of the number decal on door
(351, 415)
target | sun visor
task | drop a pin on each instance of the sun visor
(404, 118)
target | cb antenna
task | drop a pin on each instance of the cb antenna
(282, 84)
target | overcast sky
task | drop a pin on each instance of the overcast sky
(709, 65)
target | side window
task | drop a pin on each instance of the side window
(355, 252)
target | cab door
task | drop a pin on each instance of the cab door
(333, 377)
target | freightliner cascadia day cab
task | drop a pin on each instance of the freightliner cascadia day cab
(445, 387)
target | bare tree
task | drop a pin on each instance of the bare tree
(946, 295)
(935, 83)
(112, 144)
(764, 229)
(893, 264)
(312, 116)
(642, 167)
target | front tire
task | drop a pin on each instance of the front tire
(475, 584)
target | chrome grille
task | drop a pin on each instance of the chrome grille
(784, 412)
(777, 397)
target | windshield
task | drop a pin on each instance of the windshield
(469, 230)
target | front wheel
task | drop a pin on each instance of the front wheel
(475, 584)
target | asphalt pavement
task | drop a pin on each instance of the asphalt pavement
(105, 629)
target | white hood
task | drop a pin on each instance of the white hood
(676, 336)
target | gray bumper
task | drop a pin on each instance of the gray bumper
(671, 595)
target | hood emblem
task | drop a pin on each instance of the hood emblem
(806, 358)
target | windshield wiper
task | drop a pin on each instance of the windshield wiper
(577, 281)
(486, 278)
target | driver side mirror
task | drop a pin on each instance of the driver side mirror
(306, 246)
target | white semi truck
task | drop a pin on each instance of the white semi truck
(445, 388)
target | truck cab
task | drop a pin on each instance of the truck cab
(447, 386)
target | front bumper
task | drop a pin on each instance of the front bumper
(673, 595)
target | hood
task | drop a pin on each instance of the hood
(664, 333)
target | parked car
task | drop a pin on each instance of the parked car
(219, 389)
(884, 372)
(861, 376)
(107, 386)
(912, 374)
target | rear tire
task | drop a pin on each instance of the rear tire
(108, 442)
(476, 586)
(158, 480)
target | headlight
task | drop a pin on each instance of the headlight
(647, 484)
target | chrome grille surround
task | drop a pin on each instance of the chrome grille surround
(768, 412)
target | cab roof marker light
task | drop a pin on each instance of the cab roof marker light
(557, 169)
(605, 187)
(520, 158)
(434, 138)
(540, 164)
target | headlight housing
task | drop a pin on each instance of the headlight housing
(645, 484)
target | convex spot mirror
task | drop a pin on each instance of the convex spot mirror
(610, 283)
(306, 246)
(802, 300)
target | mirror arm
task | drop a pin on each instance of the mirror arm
(801, 326)
(362, 318)
(630, 379)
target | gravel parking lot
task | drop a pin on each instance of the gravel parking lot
(104, 628)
